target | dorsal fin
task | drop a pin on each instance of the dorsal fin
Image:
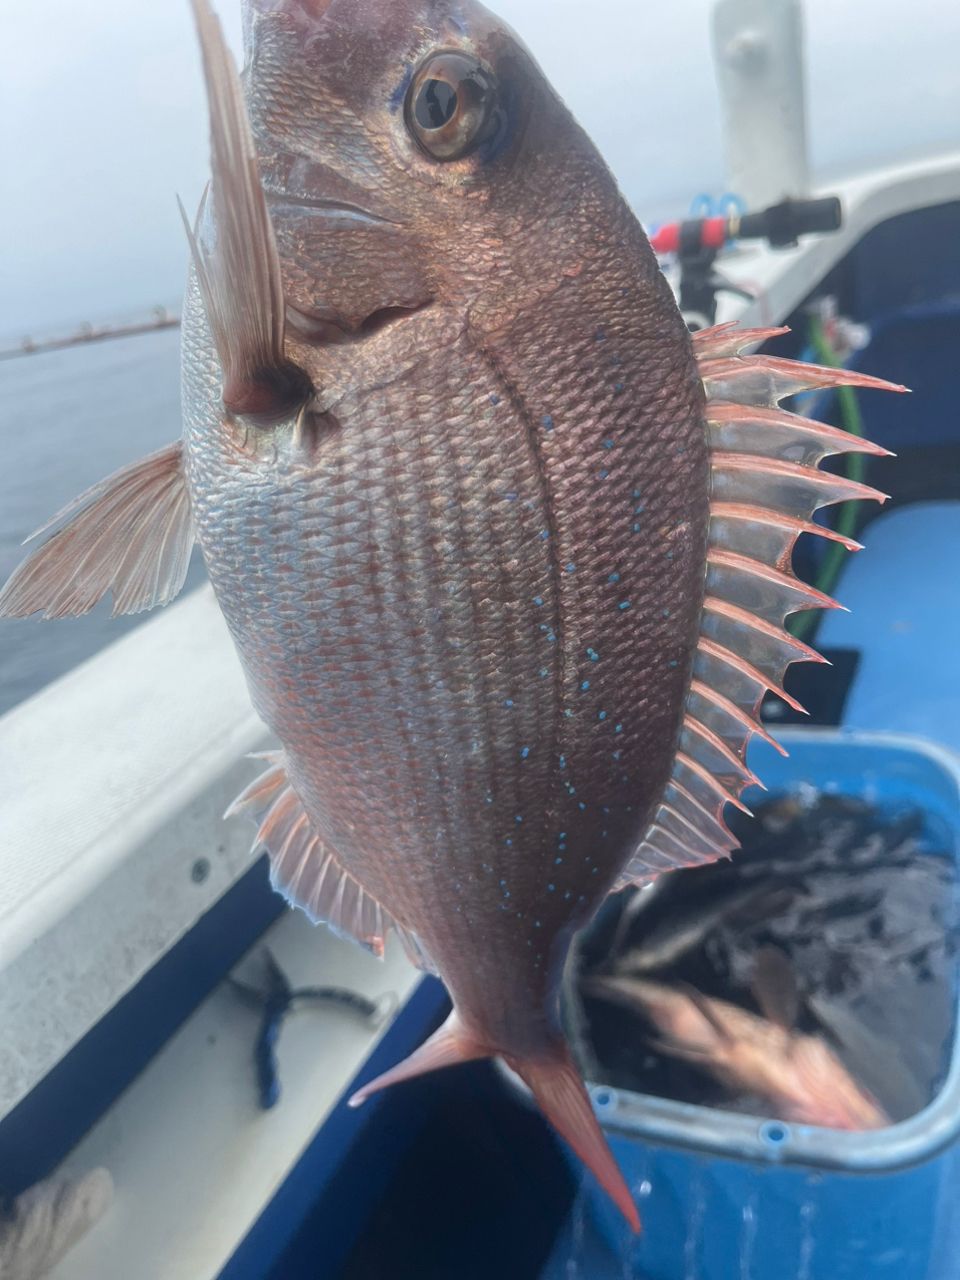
(307, 871)
(765, 488)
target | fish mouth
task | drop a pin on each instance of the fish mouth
(326, 208)
(341, 204)
(319, 187)
(327, 329)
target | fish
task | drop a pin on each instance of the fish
(797, 1075)
(503, 549)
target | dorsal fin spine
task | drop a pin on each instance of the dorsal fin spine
(778, 493)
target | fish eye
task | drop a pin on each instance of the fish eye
(451, 106)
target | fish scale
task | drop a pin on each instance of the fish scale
(504, 551)
(438, 667)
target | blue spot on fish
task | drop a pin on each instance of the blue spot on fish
(636, 528)
(563, 765)
(603, 473)
(548, 421)
(494, 398)
(571, 567)
(617, 388)
(544, 534)
(538, 601)
(400, 92)
(601, 715)
(608, 444)
(614, 577)
(581, 804)
(557, 861)
(518, 817)
(585, 684)
(624, 604)
(550, 888)
(524, 752)
(600, 336)
(508, 702)
(593, 655)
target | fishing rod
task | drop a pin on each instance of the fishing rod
(87, 333)
(697, 241)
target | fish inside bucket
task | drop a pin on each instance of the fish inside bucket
(811, 979)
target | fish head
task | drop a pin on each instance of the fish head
(421, 176)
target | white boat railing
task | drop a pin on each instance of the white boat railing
(112, 844)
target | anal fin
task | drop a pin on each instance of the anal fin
(308, 872)
(131, 535)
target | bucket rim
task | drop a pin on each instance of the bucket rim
(625, 1113)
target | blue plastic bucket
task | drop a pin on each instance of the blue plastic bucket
(727, 1196)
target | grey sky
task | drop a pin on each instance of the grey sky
(102, 120)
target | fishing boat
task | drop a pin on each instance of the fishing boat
(147, 969)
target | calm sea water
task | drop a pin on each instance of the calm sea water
(67, 419)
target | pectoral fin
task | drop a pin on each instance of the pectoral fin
(131, 534)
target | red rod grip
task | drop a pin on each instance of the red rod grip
(713, 234)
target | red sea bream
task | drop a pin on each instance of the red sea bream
(505, 553)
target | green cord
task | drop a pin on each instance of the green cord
(801, 624)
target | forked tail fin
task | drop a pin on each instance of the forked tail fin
(555, 1084)
(448, 1046)
(561, 1096)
